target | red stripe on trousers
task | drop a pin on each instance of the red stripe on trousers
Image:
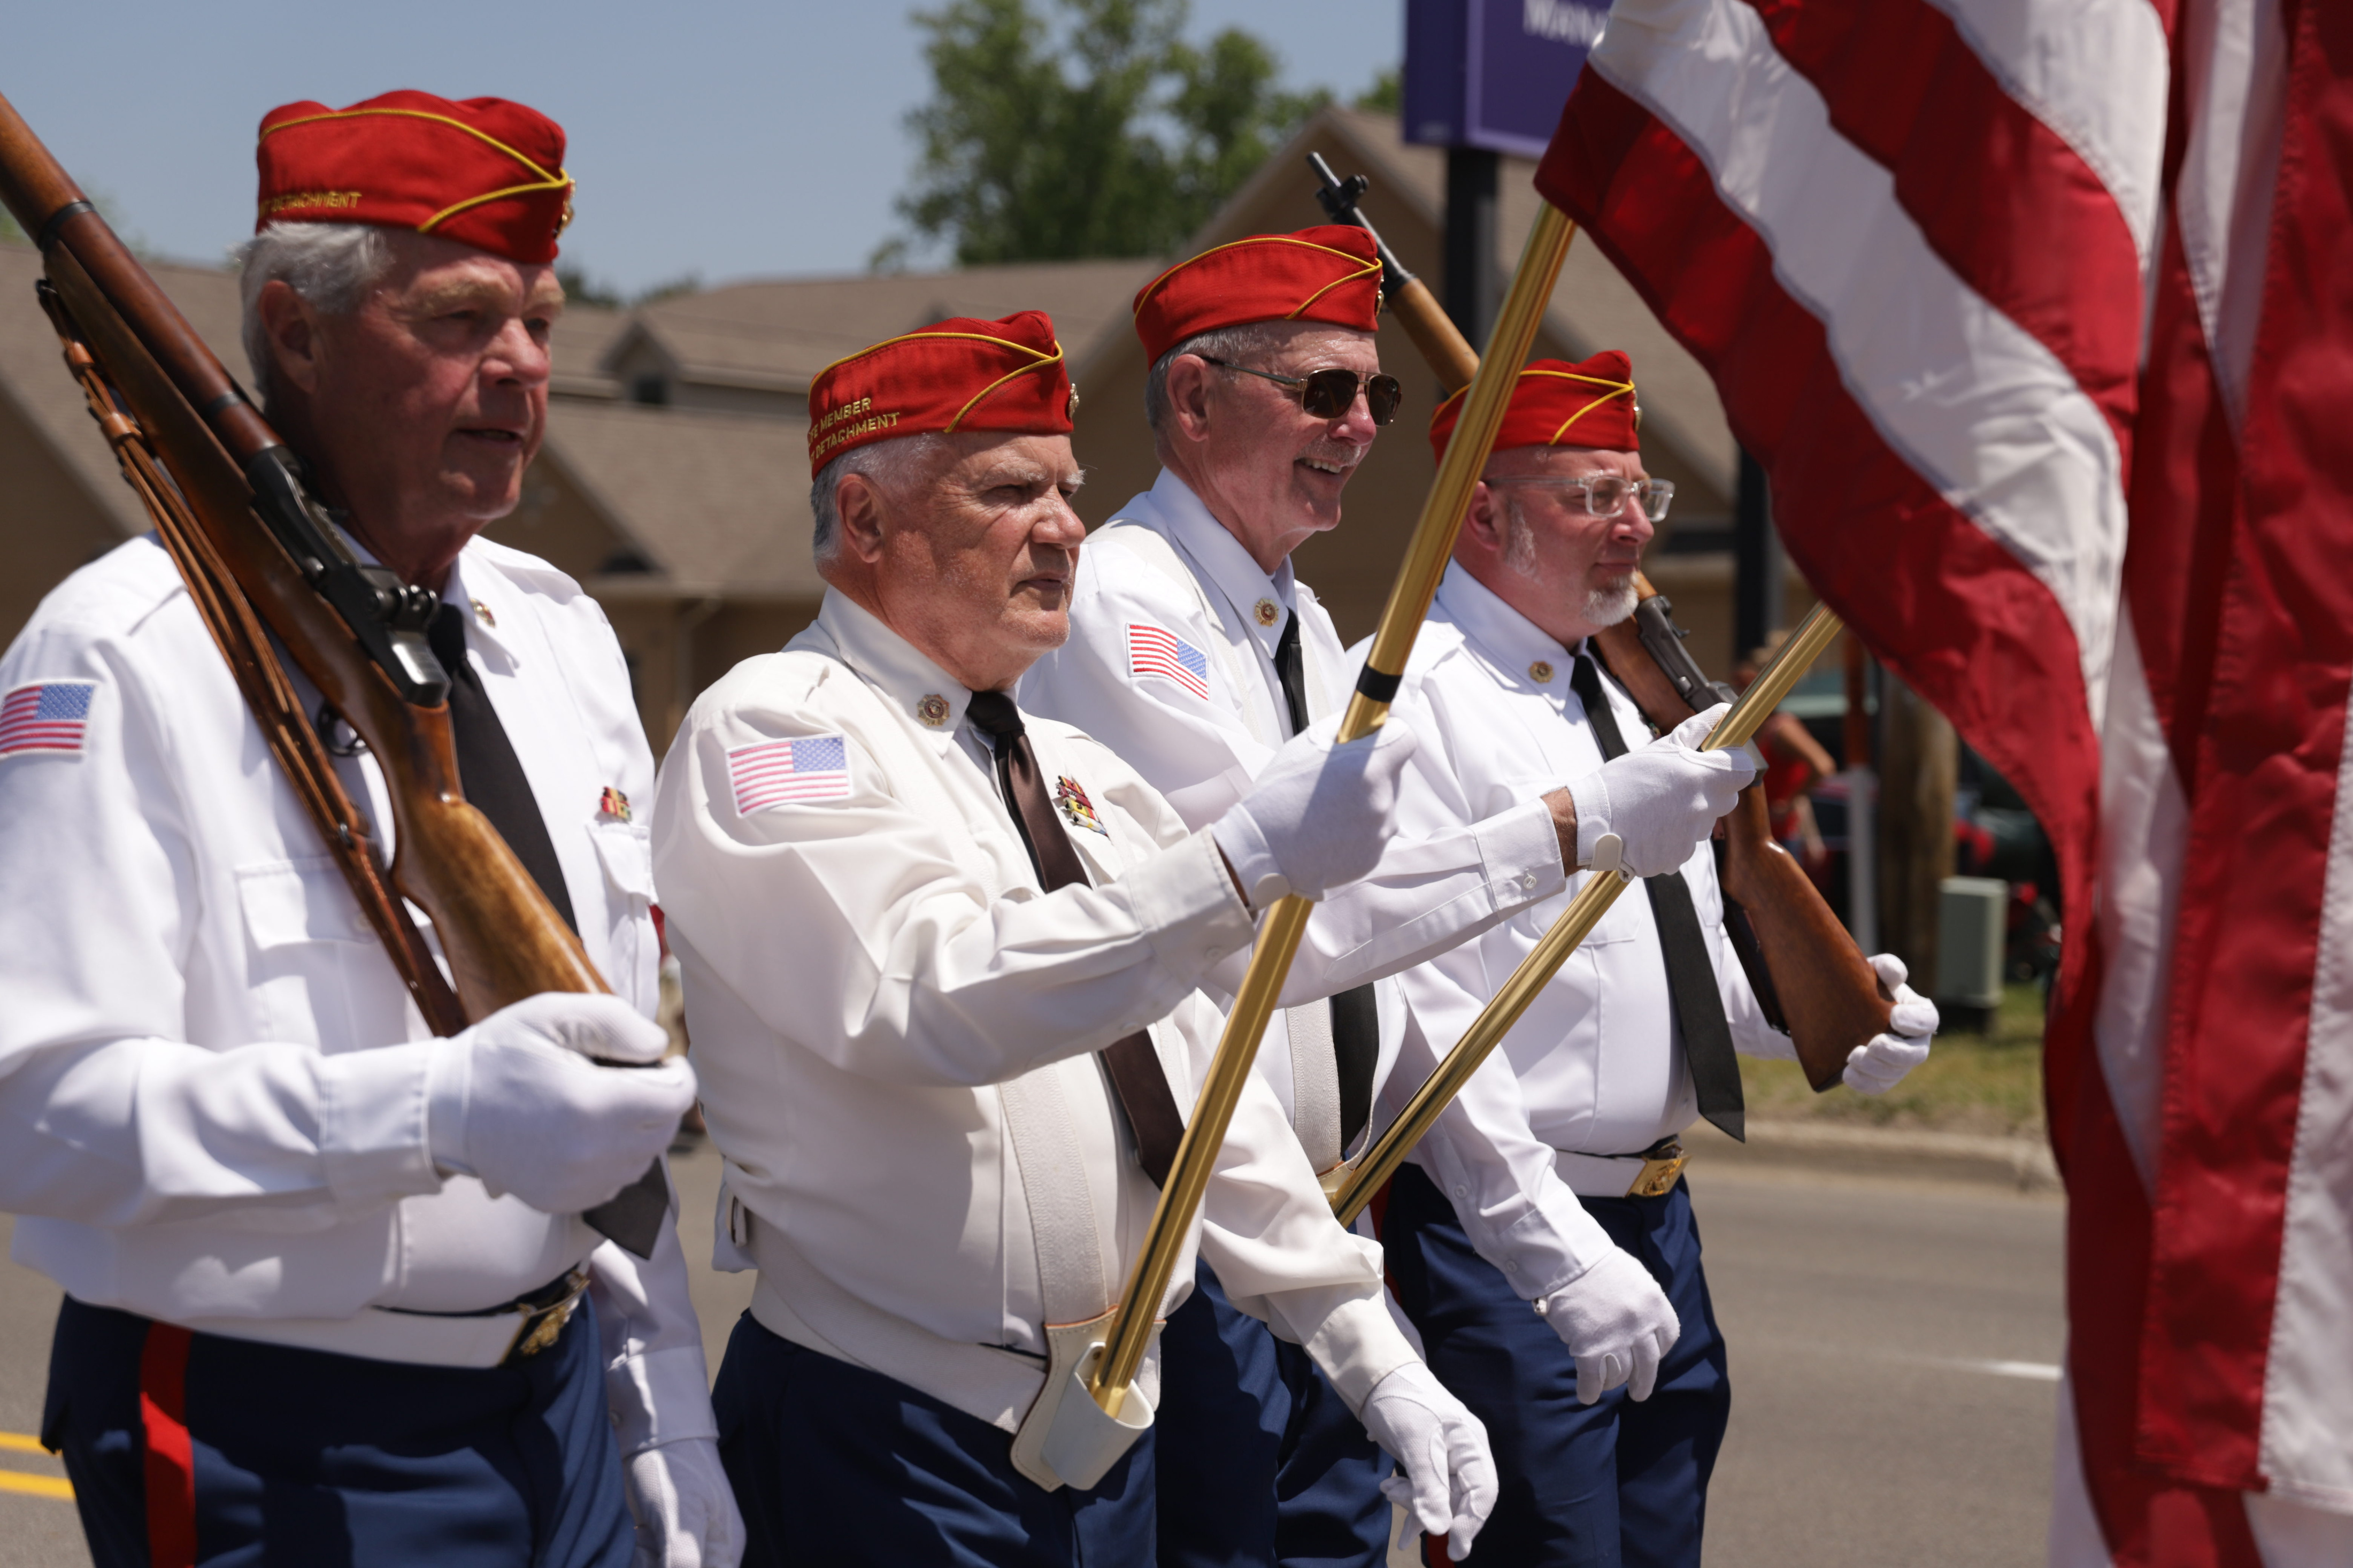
(171, 1461)
(2002, 198)
(2268, 775)
(1932, 594)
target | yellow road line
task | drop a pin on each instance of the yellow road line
(21, 1443)
(36, 1485)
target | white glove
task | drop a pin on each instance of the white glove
(1663, 799)
(1449, 1484)
(516, 1101)
(684, 1508)
(1878, 1066)
(1320, 814)
(1617, 1322)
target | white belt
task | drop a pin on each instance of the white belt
(1650, 1175)
(411, 1339)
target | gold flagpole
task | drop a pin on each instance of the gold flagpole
(1378, 1164)
(1279, 933)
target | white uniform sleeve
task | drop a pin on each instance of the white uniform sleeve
(1482, 1153)
(108, 1116)
(1443, 878)
(1268, 1232)
(657, 1383)
(851, 927)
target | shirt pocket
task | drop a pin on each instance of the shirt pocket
(315, 973)
(624, 850)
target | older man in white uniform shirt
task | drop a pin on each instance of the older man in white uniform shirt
(1195, 653)
(319, 1264)
(940, 968)
(1554, 1181)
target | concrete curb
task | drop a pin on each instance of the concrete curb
(2022, 1165)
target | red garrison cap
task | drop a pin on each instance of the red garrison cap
(484, 172)
(1329, 273)
(1556, 403)
(957, 374)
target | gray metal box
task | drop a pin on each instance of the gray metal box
(1972, 919)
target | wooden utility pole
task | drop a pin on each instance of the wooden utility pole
(1919, 764)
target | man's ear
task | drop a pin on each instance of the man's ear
(293, 330)
(1189, 395)
(858, 505)
(1482, 525)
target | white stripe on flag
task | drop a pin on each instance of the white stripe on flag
(1977, 405)
(2096, 72)
(2308, 1376)
(2234, 68)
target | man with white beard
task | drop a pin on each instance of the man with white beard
(1554, 1181)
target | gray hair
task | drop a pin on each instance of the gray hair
(893, 465)
(331, 264)
(1249, 341)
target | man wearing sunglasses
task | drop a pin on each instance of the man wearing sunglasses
(1554, 1181)
(1194, 654)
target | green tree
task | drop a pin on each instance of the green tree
(1385, 95)
(1096, 131)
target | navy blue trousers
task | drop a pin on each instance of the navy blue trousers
(194, 1449)
(1599, 1485)
(835, 1466)
(1260, 1462)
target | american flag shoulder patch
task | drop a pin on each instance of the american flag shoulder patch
(1152, 651)
(786, 772)
(48, 716)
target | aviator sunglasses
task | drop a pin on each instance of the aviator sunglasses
(1329, 393)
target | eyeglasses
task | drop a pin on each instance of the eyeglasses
(1329, 394)
(1606, 494)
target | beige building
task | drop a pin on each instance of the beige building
(674, 483)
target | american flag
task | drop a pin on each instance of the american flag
(2038, 315)
(48, 716)
(773, 773)
(1151, 651)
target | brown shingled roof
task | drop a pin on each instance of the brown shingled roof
(776, 335)
(717, 504)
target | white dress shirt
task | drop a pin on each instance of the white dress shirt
(1442, 879)
(208, 1114)
(868, 959)
(1596, 1065)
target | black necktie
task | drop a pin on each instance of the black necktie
(1132, 1065)
(1355, 1019)
(1691, 978)
(493, 779)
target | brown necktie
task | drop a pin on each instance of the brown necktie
(1133, 1064)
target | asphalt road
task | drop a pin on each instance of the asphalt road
(1893, 1347)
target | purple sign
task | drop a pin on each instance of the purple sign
(1493, 73)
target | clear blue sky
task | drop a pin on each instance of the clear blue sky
(733, 138)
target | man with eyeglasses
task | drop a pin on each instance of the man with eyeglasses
(1194, 654)
(1554, 1181)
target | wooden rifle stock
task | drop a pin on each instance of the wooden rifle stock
(355, 632)
(1443, 347)
(1802, 963)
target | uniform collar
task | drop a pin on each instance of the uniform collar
(1192, 526)
(933, 701)
(483, 591)
(475, 587)
(1524, 653)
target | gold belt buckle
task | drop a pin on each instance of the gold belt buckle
(543, 1325)
(1662, 1167)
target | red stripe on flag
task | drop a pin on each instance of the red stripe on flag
(170, 1455)
(2266, 781)
(1934, 595)
(2001, 197)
